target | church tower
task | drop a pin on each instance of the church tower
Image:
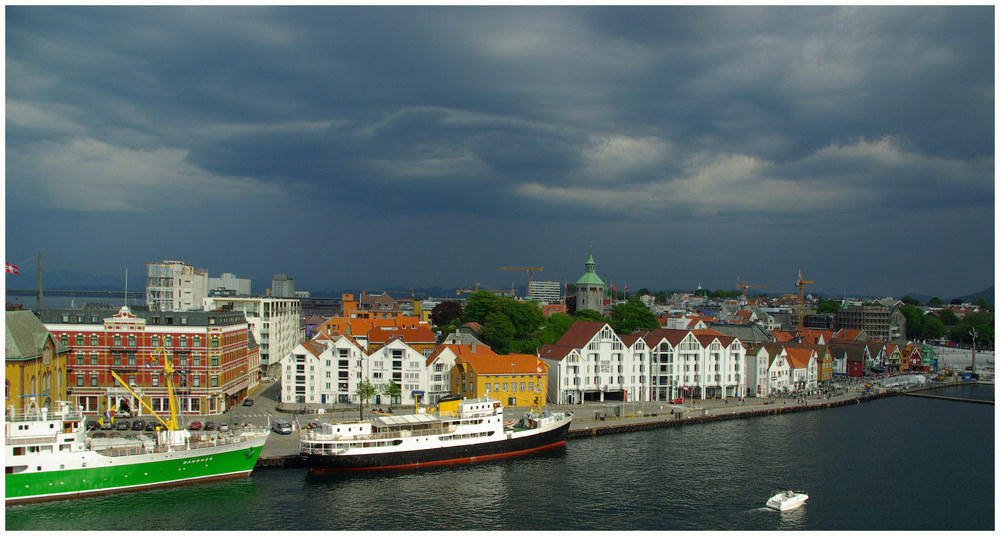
(590, 288)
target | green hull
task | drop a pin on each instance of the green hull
(133, 472)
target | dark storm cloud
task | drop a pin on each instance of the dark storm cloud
(652, 127)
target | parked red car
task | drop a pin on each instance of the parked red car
(677, 401)
(195, 425)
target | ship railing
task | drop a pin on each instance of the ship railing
(149, 447)
(35, 414)
(46, 439)
(316, 435)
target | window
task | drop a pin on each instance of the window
(131, 340)
(197, 380)
(117, 340)
(155, 380)
(64, 339)
(117, 358)
(215, 380)
(131, 359)
(93, 380)
(79, 380)
(79, 340)
(93, 359)
(215, 360)
(93, 340)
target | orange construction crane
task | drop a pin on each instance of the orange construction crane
(461, 290)
(745, 286)
(801, 283)
(531, 273)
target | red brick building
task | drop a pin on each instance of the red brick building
(210, 352)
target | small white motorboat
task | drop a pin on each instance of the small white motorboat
(787, 500)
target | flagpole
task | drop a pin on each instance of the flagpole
(39, 305)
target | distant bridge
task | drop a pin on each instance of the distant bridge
(80, 293)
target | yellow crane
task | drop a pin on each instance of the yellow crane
(168, 371)
(461, 290)
(531, 273)
(801, 283)
(746, 285)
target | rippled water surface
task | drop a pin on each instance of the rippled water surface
(876, 466)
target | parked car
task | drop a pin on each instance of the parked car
(195, 425)
(92, 425)
(107, 426)
(150, 426)
(281, 427)
(247, 401)
(311, 426)
(122, 425)
(677, 401)
(209, 426)
(138, 424)
(99, 434)
(223, 426)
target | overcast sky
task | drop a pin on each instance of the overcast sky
(369, 147)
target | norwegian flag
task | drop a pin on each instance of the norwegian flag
(11, 269)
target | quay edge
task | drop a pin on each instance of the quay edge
(649, 423)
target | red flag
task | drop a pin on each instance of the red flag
(11, 269)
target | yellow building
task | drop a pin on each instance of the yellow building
(516, 380)
(34, 364)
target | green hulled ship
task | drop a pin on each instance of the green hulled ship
(49, 456)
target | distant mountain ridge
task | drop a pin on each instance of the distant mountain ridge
(77, 280)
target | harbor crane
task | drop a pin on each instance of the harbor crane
(531, 273)
(801, 283)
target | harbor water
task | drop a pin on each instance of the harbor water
(899, 463)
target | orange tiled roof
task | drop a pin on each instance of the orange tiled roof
(798, 357)
(501, 364)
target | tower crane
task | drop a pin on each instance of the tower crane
(461, 290)
(531, 273)
(745, 286)
(801, 283)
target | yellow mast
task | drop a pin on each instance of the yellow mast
(168, 371)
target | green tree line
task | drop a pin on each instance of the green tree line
(512, 326)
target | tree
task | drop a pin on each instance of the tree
(554, 327)
(932, 328)
(948, 317)
(589, 314)
(914, 321)
(526, 317)
(392, 391)
(446, 311)
(828, 307)
(365, 391)
(632, 315)
(981, 322)
(984, 304)
(910, 301)
(479, 305)
(498, 332)
(935, 301)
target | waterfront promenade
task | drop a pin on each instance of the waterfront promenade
(599, 418)
(621, 417)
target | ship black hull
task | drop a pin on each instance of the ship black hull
(447, 455)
